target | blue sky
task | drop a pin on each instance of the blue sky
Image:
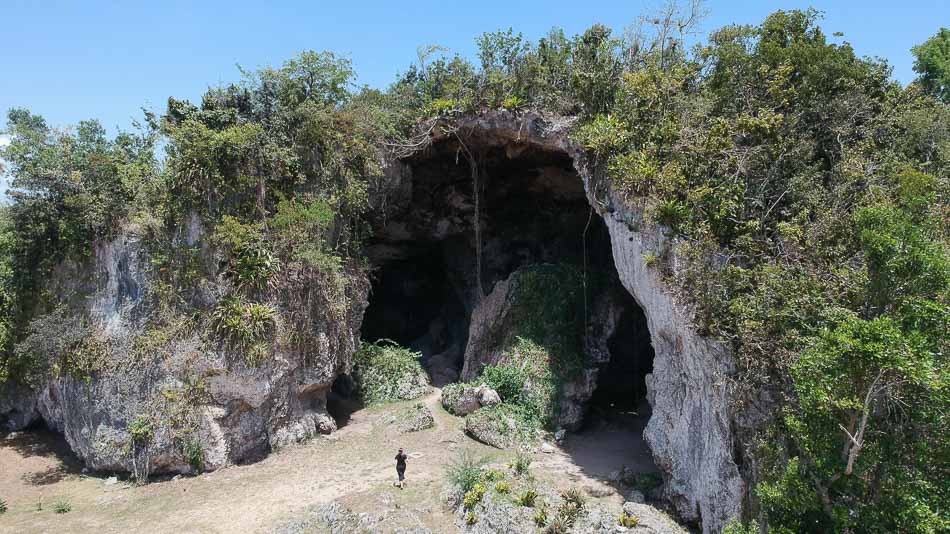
(70, 61)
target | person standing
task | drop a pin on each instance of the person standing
(401, 467)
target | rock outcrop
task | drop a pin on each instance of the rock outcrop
(463, 399)
(200, 405)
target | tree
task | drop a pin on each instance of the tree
(933, 64)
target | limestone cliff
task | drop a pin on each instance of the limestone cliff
(202, 404)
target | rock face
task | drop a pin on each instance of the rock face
(204, 406)
(689, 432)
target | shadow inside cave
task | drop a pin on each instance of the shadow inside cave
(39, 440)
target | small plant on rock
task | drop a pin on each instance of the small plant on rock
(541, 517)
(474, 496)
(470, 518)
(502, 487)
(195, 454)
(3, 507)
(559, 525)
(628, 521)
(575, 497)
(62, 506)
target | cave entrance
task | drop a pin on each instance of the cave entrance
(342, 401)
(610, 440)
(621, 392)
(532, 209)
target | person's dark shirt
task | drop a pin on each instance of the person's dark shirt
(401, 460)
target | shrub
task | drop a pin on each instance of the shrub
(559, 525)
(604, 135)
(384, 371)
(3, 507)
(465, 471)
(540, 517)
(528, 498)
(574, 496)
(493, 475)
(671, 213)
(507, 381)
(738, 527)
(521, 463)
(194, 452)
(62, 506)
(572, 504)
(141, 429)
(513, 103)
(246, 325)
(502, 487)
(474, 496)
(470, 518)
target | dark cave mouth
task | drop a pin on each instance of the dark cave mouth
(532, 210)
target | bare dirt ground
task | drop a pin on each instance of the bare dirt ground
(353, 466)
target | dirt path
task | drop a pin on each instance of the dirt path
(355, 465)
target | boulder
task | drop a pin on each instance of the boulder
(493, 426)
(460, 399)
(487, 396)
(415, 418)
(463, 399)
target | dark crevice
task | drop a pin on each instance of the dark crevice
(342, 400)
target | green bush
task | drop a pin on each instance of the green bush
(194, 453)
(502, 487)
(521, 464)
(507, 381)
(384, 372)
(62, 506)
(247, 326)
(465, 470)
(528, 498)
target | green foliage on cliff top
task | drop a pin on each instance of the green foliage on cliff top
(808, 192)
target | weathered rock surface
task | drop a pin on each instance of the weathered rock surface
(191, 391)
(415, 418)
(463, 399)
(496, 427)
(237, 412)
